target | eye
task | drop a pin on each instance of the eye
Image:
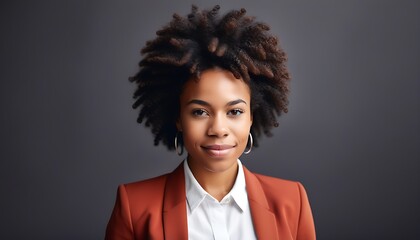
(235, 112)
(199, 112)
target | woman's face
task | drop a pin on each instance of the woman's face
(215, 120)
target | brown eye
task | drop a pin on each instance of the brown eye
(199, 112)
(235, 112)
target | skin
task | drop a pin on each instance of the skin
(215, 120)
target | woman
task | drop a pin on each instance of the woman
(213, 85)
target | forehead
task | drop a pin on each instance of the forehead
(216, 85)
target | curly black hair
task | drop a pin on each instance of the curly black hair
(203, 39)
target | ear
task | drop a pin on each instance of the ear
(178, 125)
(251, 117)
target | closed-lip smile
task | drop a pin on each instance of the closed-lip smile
(218, 147)
(218, 150)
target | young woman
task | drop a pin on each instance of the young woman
(213, 85)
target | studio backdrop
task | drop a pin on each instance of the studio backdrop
(69, 136)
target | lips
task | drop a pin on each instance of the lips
(218, 150)
(218, 147)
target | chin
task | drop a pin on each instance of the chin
(221, 165)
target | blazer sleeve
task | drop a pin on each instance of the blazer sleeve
(120, 226)
(306, 227)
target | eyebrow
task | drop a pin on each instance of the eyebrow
(204, 103)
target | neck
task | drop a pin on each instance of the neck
(217, 184)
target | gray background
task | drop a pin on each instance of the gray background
(69, 136)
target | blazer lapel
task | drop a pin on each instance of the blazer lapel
(263, 218)
(174, 206)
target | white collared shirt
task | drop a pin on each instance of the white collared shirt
(210, 219)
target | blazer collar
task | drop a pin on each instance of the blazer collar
(175, 213)
(175, 223)
(264, 220)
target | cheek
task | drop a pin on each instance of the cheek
(244, 137)
(192, 132)
(191, 135)
(242, 131)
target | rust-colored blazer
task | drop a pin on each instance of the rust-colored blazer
(156, 209)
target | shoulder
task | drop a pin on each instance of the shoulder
(273, 184)
(146, 184)
(286, 199)
(141, 201)
(144, 190)
(281, 192)
(139, 206)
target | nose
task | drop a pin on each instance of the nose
(218, 126)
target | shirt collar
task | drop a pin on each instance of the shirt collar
(196, 194)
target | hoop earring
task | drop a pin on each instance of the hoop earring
(177, 149)
(251, 144)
